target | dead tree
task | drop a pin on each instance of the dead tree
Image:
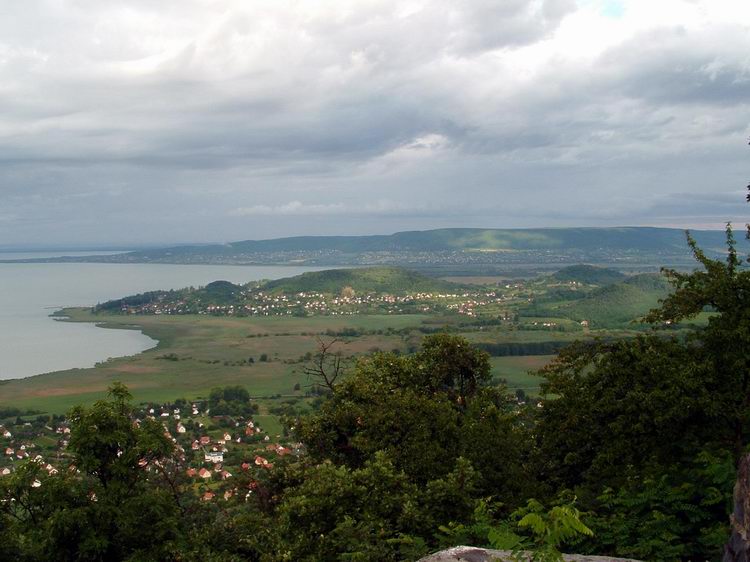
(327, 365)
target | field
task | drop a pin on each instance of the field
(516, 371)
(198, 352)
(519, 324)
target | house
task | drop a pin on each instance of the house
(205, 440)
(204, 473)
(225, 474)
(10, 452)
(214, 456)
(5, 471)
(208, 496)
(228, 494)
(7, 434)
(195, 446)
(191, 472)
(227, 437)
(181, 428)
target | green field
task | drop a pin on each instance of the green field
(197, 353)
(516, 371)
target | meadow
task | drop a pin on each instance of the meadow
(198, 352)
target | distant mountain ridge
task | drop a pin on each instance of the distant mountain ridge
(640, 238)
(442, 247)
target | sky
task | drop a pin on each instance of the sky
(142, 122)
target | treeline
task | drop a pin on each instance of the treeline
(633, 453)
(506, 349)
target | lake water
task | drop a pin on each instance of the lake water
(33, 343)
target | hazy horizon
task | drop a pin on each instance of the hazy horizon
(156, 123)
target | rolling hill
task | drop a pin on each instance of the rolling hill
(393, 280)
(615, 304)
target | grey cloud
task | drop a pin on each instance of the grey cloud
(166, 120)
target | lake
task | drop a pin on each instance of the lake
(32, 343)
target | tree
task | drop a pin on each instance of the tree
(425, 411)
(327, 365)
(111, 510)
(625, 422)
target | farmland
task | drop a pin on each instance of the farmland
(521, 324)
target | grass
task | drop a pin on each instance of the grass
(517, 371)
(210, 352)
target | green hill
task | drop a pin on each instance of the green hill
(589, 275)
(394, 280)
(219, 292)
(615, 304)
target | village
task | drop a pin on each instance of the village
(314, 303)
(220, 456)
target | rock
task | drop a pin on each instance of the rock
(474, 554)
(738, 547)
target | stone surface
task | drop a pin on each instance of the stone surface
(738, 547)
(473, 554)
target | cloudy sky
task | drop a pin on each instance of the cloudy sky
(142, 121)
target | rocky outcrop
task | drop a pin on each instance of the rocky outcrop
(473, 554)
(738, 547)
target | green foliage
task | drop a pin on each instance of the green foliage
(532, 532)
(339, 513)
(624, 406)
(425, 410)
(650, 516)
(109, 511)
(230, 401)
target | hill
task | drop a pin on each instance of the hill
(223, 294)
(393, 280)
(455, 247)
(615, 304)
(589, 275)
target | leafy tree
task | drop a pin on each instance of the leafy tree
(424, 411)
(107, 512)
(627, 420)
(650, 516)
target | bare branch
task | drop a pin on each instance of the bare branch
(327, 365)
